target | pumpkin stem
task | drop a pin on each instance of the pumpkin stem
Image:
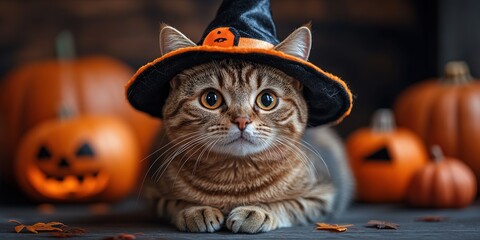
(456, 73)
(65, 45)
(65, 113)
(65, 49)
(383, 120)
(437, 153)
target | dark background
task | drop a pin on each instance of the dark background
(379, 47)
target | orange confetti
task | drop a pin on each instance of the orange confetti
(333, 227)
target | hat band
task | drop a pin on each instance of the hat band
(254, 43)
(229, 37)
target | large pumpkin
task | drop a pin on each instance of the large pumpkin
(443, 183)
(383, 159)
(89, 158)
(91, 85)
(446, 112)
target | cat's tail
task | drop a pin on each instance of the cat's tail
(329, 145)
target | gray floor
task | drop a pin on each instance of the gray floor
(128, 218)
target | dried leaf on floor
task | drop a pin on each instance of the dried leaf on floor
(333, 227)
(432, 218)
(381, 225)
(40, 226)
(69, 232)
(123, 236)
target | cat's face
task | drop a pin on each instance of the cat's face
(235, 108)
(232, 107)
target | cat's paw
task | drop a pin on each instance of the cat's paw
(250, 219)
(199, 219)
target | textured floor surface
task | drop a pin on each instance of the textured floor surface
(102, 222)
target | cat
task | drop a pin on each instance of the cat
(235, 150)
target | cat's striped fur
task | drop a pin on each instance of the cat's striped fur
(212, 171)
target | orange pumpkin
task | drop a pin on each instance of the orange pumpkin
(384, 158)
(35, 92)
(89, 158)
(221, 37)
(446, 112)
(443, 183)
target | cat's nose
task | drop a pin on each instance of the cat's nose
(242, 122)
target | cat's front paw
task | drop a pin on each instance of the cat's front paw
(199, 219)
(250, 219)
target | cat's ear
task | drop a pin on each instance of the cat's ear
(297, 85)
(297, 44)
(171, 39)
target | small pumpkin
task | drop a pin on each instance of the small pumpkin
(384, 158)
(444, 183)
(86, 158)
(34, 92)
(445, 112)
(221, 37)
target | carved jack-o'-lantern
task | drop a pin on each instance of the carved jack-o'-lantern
(80, 159)
(384, 158)
(34, 92)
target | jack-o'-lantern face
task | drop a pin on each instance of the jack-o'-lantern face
(63, 175)
(222, 37)
(81, 159)
(383, 159)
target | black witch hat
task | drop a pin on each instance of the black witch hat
(242, 29)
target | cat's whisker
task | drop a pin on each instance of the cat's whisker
(153, 164)
(190, 138)
(185, 146)
(167, 161)
(297, 151)
(187, 156)
(195, 152)
(200, 156)
(189, 145)
(307, 146)
(173, 144)
(288, 147)
(161, 148)
(312, 149)
(305, 157)
(170, 145)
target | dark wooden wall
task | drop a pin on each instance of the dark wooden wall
(459, 33)
(378, 46)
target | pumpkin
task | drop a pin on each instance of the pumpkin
(221, 37)
(384, 158)
(443, 183)
(86, 158)
(445, 112)
(35, 92)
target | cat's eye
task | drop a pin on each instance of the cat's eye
(266, 100)
(211, 99)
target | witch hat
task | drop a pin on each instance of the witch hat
(241, 30)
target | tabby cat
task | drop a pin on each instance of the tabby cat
(232, 153)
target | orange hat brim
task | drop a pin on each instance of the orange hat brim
(328, 98)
